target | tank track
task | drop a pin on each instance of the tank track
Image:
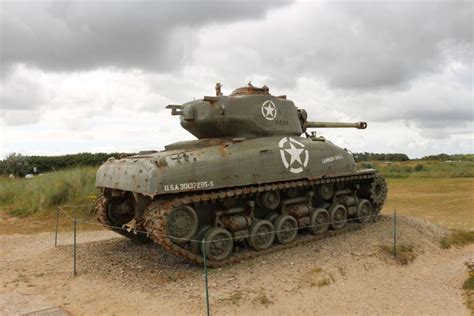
(158, 211)
(101, 214)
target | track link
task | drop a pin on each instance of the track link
(158, 211)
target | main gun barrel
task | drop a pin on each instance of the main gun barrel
(315, 124)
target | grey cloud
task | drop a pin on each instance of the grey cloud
(396, 42)
(353, 45)
(21, 92)
(81, 35)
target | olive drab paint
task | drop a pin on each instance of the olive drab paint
(249, 176)
(248, 137)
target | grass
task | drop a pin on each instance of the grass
(40, 195)
(422, 168)
(448, 202)
(468, 287)
(405, 253)
(457, 238)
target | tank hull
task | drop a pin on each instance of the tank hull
(216, 164)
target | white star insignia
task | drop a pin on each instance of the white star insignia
(269, 110)
(295, 154)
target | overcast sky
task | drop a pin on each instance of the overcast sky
(90, 76)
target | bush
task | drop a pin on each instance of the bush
(418, 167)
(457, 238)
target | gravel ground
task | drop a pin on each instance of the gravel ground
(341, 275)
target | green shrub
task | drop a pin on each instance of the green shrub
(418, 167)
(22, 197)
(457, 238)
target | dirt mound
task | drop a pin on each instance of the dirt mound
(344, 274)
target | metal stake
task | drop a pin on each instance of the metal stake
(395, 233)
(57, 225)
(203, 250)
(74, 246)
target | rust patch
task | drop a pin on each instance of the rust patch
(223, 150)
(236, 222)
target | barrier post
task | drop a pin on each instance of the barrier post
(395, 233)
(57, 226)
(74, 246)
(203, 250)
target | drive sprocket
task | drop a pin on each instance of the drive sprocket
(375, 191)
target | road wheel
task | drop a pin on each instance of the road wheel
(286, 228)
(319, 221)
(196, 243)
(338, 216)
(261, 234)
(364, 211)
(182, 224)
(219, 244)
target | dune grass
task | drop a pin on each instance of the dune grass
(422, 168)
(457, 238)
(405, 253)
(23, 197)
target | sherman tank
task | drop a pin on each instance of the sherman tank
(249, 184)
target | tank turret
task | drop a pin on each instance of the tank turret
(247, 112)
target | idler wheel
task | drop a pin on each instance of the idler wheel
(219, 244)
(182, 224)
(197, 240)
(270, 199)
(286, 228)
(364, 211)
(261, 235)
(120, 211)
(319, 221)
(338, 216)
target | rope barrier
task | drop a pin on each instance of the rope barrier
(200, 241)
(135, 231)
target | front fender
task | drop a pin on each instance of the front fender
(135, 175)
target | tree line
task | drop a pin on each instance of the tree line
(380, 157)
(20, 165)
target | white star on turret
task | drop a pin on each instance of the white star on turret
(269, 110)
(295, 154)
